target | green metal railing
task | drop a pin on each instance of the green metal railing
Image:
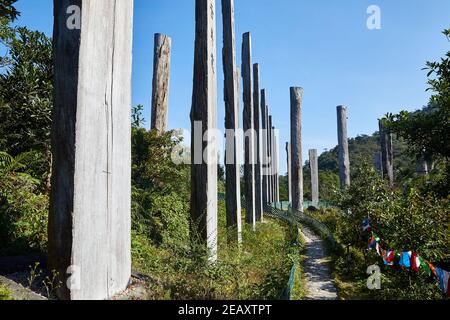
(302, 218)
(287, 217)
(284, 205)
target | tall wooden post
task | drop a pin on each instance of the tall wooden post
(249, 129)
(204, 121)
(387, 154)
(296, 146)
(89, 228)
(271, 162)
(378, 162)
(314, 166)
(344, 158)
(268, 159)
(264, 125)
(277, 167)
(161, 81)
(231, 95)
(422, 168)
(258, 143)
(289, 175)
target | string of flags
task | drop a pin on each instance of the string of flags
(407, 259)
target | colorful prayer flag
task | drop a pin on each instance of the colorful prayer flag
(425, 266)
(405, 260)
(443, 280)
(389, 258)
(408, 259)
(414, 262)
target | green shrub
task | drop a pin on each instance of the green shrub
(5, 294)
(165, 218)
(259, 269)
(23, 213)
(406, 221)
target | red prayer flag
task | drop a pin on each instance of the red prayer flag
(414, 265)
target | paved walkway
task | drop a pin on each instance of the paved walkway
(319, 283)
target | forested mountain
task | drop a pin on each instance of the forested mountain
(367, 148)
(363, 149)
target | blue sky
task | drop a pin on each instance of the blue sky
(323, 46)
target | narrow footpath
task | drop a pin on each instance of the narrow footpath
(319, 283)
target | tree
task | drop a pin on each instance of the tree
(362, 149)
(7, 10)
(26, 91)
(160, 188)
(7, 15)
(23, 210)
(427, 131)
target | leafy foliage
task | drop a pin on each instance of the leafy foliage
(7, 9)
(23, 210)
(407, 221)
(8, 13)
(257, 270)
(427, 131)
(363, 150)
(160, 205)
(25, 120)
(26, 94)
(5, 294)
(26, 98)
(176, 260)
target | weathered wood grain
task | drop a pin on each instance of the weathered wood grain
(289, 161)
(344, 157)
(258, 143)
(264, 151)
(314, 167)
(231, 96)
(89, 221)
(249, 129)
(161, 82)
(387, 154)
(271, 161)
(296, 148)
(204, 119)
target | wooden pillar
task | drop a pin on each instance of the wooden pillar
(378, 163)
(264, 126)
(249, 165)
(296, 148)
(268, 159)
(314, 166)
(422, 168)
(276, 175)
(258, 143)
(271, 185)
(289, 175)
(204, 119)
(344, 158)
(231, 96)
(387, 154)
(161, 80)
(89, 222)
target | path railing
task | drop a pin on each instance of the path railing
(287, 217)
(302, 218)
(284, 205)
